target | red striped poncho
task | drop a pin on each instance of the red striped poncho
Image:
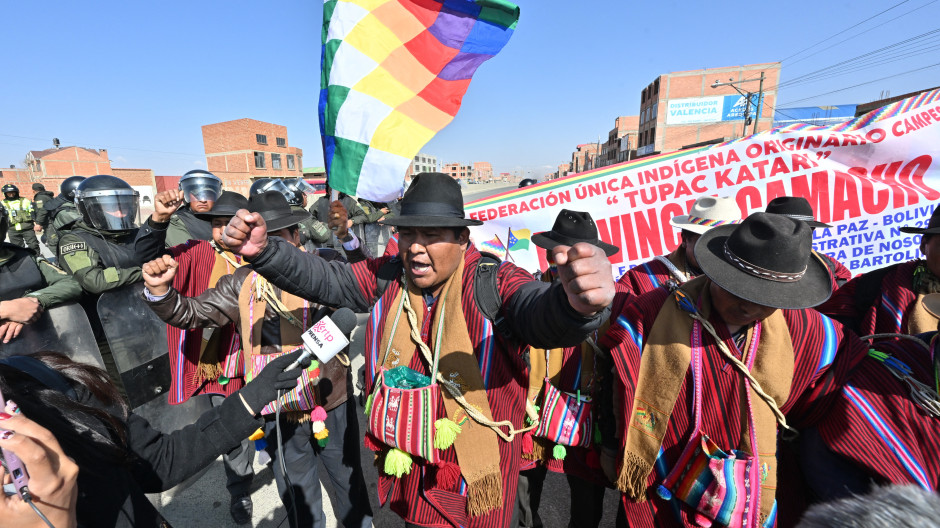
(817, 341)
(885, 312)
(196, 259)
(646, 277)
(875, 424)
(417, 497)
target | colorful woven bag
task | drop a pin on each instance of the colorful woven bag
(301, 398)
(565, 418)
(404, 417)
(721, 487)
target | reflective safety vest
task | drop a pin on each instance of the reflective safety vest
(20, 212)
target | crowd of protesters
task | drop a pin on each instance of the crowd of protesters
(741, 380)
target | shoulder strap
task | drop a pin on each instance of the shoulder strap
(486, 293)
(485, 290)
(869, 287)
(385, 275)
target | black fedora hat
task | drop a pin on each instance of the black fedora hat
(933, 226)
(570, 228)
(766, 259)
(432, 200)
(228, 204)
(277, 213)
(795, 207)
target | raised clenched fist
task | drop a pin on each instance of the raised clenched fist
(158, 274)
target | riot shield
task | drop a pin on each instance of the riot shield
(63, 329)
(137, 339)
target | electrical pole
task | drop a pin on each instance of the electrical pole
(747, 96)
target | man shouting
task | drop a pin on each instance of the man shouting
(424, 314)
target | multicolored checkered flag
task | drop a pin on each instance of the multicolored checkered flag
(393, 74)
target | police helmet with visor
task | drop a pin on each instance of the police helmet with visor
(299, 187)
(264, 185)
(107, 203)
(527, 182)
(200, 185)
(67, 189)
(11, 189)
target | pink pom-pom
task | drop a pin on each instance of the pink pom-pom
(527, 443)
(318, 414)
(373, 443)
(447, 476)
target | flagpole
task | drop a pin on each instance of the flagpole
(505, 246)
(508, 238)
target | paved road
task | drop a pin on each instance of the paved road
(205, 502)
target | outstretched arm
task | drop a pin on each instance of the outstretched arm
(303, 274)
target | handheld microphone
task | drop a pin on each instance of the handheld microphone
(327, 337)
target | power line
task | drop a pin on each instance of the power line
(846, 29)
(863, 32)
(861, 84)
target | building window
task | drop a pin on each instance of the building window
(281, 142)
(290, 162)
(261, 139)
(653, 135)
(259, 160)
(275, 161)
(656, 87)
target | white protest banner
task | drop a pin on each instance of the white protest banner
(866, 177)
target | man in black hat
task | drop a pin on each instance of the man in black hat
(887, 300)
(798, 208)
(236, 300)
(575, 370)
(725, 362)
(427, 293)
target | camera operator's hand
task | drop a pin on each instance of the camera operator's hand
(263, 389)
(53, 477)
(158, 274)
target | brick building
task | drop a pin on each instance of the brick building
(457, 170)
(242, 150)
(482, 171)
(681, 109)
(583, 158)
(611, 150)
(51, 166)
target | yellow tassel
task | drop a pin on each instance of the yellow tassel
(397, 463)
(257, 435)
(446, 431)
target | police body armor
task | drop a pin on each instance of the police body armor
(20, 212)
(115, 253)
(137, 339)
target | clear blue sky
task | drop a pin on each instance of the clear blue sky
(140, 78)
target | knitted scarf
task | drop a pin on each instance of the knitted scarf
(476, 446)
(667, 354)
(252, 304)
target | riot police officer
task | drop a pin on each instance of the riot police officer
(29, 284)
(313, 233)
(99, 249)
(21, 215)
(58, 215)
(200, 191)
